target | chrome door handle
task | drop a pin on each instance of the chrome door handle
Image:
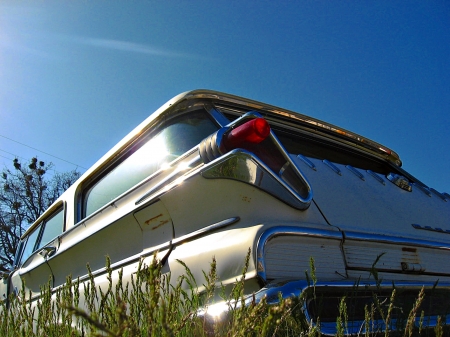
(47, 252)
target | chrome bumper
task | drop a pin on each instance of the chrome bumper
(320, 302)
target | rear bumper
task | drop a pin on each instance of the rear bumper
(367, 307)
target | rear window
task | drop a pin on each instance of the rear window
(314, 146)
(309, 146)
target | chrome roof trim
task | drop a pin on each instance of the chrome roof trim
(310, 122)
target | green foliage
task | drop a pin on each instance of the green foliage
(151, 305)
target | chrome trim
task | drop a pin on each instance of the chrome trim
(303, 121)
(218, 116)
(439, 194)
(211, 148)
(244, 166)
(355, 172)
(424, 189)
(395, 240)
(433, 229)
(376, 177)
(284, 231)
(48, 212)
(47, 252)
(285, 166)
(167, 245)
(307, 161)
(332, 166)
(295, 288)
(172, 165)
(205, 230)
(170, 177)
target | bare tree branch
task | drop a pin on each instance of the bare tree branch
(26, 192)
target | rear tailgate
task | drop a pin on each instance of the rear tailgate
(406, 232)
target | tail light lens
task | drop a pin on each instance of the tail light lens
(254, 131)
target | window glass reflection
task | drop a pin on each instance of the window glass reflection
(175, 138)
(30, 244)
(52, 228)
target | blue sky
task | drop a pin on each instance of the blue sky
(76, 76)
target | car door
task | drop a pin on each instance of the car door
(38, 244)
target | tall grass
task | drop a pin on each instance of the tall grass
(152, 305)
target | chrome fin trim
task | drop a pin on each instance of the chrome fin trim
(243, 166)
(211, 151)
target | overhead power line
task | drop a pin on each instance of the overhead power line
(5, 157)
(22, 158)
(48, 154)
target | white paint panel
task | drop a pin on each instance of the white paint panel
(364, 254)
(368, 206)
(289, 257)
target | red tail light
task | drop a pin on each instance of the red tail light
(253, 131)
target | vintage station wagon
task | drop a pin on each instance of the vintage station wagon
(211, 174)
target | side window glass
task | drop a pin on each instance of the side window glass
(19, 251)
(47, 230)
(30, 244)
(172, 140)
(51, 228)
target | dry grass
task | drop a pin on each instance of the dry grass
(150, 306)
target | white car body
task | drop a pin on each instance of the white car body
(310, 189)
